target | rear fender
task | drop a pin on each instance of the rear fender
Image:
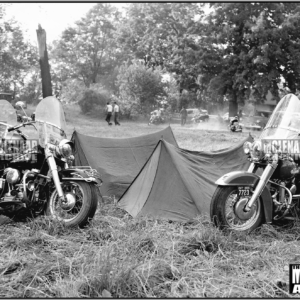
(244, 178)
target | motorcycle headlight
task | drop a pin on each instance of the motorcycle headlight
(247, 147)
(65, 148)
(257, 151)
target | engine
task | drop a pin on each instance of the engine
(285, 169)
(12, 175)
(15, 186)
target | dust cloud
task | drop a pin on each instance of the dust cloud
(212, 124)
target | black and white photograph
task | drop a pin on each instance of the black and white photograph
(149, 150)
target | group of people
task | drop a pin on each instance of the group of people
(112, 110)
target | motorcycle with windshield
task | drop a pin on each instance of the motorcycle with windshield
(269, 191)
(37, 176)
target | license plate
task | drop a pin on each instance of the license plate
(244, 191)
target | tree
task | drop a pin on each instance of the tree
(32, 90)
(162, 34)
(88, 49)
(253, 46)
(18, 58)
(139, 87)
(93, 101)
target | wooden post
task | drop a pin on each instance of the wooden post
(44, 63)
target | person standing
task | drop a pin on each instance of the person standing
(183, 114)
(240, 114)
(116, 112)
(108, 110)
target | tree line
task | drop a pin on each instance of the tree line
(176, 53)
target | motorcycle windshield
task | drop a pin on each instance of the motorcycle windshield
(50, 118)
(8, 114)
(284, 122)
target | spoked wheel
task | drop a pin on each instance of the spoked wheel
(79, 207)
(227, 210)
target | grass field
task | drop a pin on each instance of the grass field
(118, 256)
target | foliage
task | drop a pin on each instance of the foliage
(88, 49)
(240, 48)
(17, 58)
(93, 100)
(252, 48)
(32, 89)
(161, 34)
(72, 90)
(235, 51)
(139, 87)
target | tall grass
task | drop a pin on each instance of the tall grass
(118, 256)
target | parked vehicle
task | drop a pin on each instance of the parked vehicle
(226, 117)
(235, 127)
(244, 200)
(201, 116)
(258, 121)
(37, 177)
(157, 117)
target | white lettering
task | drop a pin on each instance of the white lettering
(284, 146)
(296, 275)
(290, 146)
(274, 146)
(266, 147)
(296, 289)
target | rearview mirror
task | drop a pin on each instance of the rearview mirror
(20, 104)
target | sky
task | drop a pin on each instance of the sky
(53, 17)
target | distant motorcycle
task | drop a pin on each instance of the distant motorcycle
(235, 126)
(202, 116)
(156, 120)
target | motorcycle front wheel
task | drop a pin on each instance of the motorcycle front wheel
(227, 212)
(80, 206)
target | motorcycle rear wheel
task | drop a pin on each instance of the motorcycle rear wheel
(224, 211)
(82, 202)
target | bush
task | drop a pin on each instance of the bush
(140, 88)
(93, 100)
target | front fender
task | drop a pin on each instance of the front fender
(235, 178)
(78, 174)
(245, 178)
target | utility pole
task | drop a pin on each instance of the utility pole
(44, 63)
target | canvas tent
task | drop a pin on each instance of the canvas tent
(177, 184)
(118, 160)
